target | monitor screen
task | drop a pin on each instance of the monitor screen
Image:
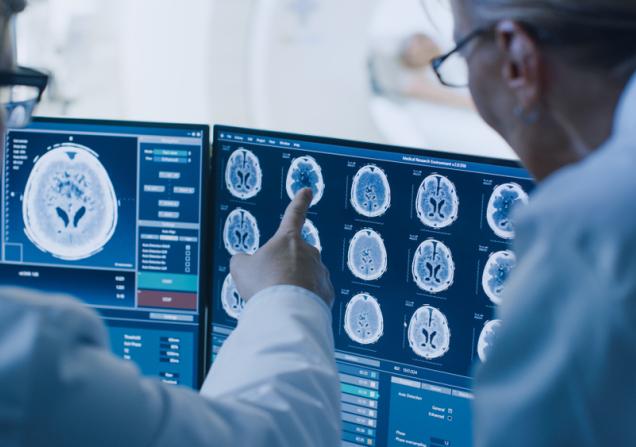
(418, 246)
(110, 213)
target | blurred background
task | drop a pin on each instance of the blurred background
(356, 69)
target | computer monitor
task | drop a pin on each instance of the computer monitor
(418, 246)
(111, 213)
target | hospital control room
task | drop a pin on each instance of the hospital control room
(317, 223)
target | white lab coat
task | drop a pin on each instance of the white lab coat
(274, 382)
(563, 369)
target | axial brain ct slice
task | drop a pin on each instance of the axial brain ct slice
(370, 192)
(497, 270)
(231, 301)
(487, 339)
(310, 235)
(437, 203)
(433, 267)
(500, 206)
(69, 205)
(363, 321)
(243, 174)
(367, 258)
(428, 333)
(241, 233)
(305, 172)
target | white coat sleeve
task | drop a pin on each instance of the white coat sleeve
(277, 370)
(275, 383)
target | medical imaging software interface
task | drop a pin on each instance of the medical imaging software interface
(419, 249)
(111, 214)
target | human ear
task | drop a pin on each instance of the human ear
(522, 63)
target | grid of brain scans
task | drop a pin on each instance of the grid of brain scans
(419, 249)
(110, 213)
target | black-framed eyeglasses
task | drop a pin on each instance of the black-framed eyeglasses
(451, 68)
(20, 91)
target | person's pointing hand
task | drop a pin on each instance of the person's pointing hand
(286, 259)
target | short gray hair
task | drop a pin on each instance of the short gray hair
(597, 33)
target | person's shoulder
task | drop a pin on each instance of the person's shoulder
(31, 299)
(587, 210)
(594, 194)
(47, 314)
(40, 335)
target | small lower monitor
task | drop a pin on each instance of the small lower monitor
(111, 214)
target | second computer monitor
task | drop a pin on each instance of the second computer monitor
(419, 247)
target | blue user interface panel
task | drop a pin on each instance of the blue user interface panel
(418, 246)
(110, 213)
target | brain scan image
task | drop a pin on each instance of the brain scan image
(428, 333)
(487, 339)
(370, 192)
(241, 233)
(363, 321)
(231, 301)
(433, 267)
(69, 206)
(500, 207)
(310, 235)
(367, 257)
(243, 174)
(496, 272)
(437, 204)
(305, 172)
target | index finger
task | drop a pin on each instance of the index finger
(294, 217)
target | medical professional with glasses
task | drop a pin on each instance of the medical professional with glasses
(556, 79)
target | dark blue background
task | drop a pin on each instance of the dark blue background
(94, 287)
(119, 157)
(175, 260)
(470, 239)
(148, 357)
(190, 177)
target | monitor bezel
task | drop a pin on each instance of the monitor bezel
(204, 261)
(218, 128)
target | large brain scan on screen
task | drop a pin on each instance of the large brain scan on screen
(419, 248)
(75, 207)
(110, 213)
(69, 205)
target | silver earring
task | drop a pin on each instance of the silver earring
(527, 117)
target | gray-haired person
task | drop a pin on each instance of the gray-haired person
(556, 79)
